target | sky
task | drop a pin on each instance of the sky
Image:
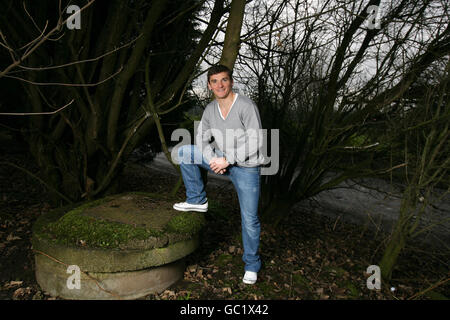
(328, 24)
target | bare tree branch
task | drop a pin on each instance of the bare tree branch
(81, 61)
(39, 41)
(35, 113)
(67, 84)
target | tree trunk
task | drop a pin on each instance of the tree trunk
(233, 33)
(81, 150)
(400, 232)
(395, 245)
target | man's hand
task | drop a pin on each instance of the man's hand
(218, 165)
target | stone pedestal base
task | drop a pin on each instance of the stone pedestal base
(53, 278)
(124, 246)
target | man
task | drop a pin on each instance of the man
(233, 121)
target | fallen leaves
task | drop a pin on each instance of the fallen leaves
(192, 268)
(12, 284)
(303, 261)
(196, 273)
(321, 293)
(168, 294)
(10, 238)
(21, 292)
(227, 290)
(82, 242)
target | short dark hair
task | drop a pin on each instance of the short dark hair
(218, 68)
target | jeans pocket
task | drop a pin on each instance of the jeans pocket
(247, 178)
(251, 169)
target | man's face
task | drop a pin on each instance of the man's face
(220, 84)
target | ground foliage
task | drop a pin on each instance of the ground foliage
(309, 257)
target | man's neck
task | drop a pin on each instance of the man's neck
(226, 102)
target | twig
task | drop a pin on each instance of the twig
(37, 178)
(34, 40)
(320, 270)
(428, 289)
(290, 288)
(81, 61)
(335, 223)
(119, 155)
(156, 116)
(291, 23)
(6, 46)
(374, 223)
(89, 276)
(35, 113)
(39, 43)
(396, 167)
(429, 227)
(66, 84)
(31, 18)
(365, 147)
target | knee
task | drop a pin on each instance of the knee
(251, 222)
(252, 229)
(187, 154)
(184, 151)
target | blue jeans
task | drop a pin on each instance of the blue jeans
(247, 184)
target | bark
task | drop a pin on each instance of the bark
(399, 236)
(427, 167)
(116, 101)
(189, 67)
(390, 256)
(233, 33)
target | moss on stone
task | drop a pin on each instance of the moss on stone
(186, 223)
(74, 228)
(101, 224)
(160, 196)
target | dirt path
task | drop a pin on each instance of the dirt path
(373, 203)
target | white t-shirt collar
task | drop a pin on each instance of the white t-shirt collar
(220, 112)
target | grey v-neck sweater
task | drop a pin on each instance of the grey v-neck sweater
(239, 136)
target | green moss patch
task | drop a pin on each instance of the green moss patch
(74, 228)
(223, 260)
(186, 223)
(353, 292)
(300, 281)
(136, 219)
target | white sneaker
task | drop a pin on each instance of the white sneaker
(184, 206)
(250, 277)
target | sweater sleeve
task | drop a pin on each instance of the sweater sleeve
(204, 135)
(250, 141)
